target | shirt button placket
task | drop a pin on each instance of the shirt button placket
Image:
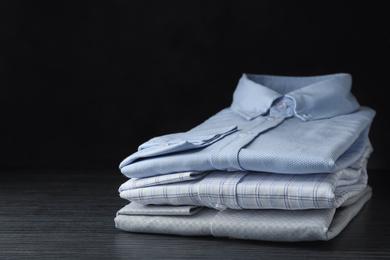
(228, 156)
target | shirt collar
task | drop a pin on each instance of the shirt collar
(315, 97)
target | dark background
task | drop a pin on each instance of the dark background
(83, 83)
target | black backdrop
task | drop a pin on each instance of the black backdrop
(84, 83)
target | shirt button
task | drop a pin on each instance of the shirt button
(281, 105)
(244, 133)
(306, 116)
(218, 206)
(271, 118)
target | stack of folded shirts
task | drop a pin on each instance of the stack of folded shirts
(285, 162)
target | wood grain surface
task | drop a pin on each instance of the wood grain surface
(70, 215)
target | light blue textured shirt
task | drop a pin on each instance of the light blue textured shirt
(294, 125)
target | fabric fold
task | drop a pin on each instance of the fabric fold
(155, 210)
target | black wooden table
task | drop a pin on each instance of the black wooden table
(70, 214)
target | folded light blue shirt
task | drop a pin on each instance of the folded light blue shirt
(292, 125)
